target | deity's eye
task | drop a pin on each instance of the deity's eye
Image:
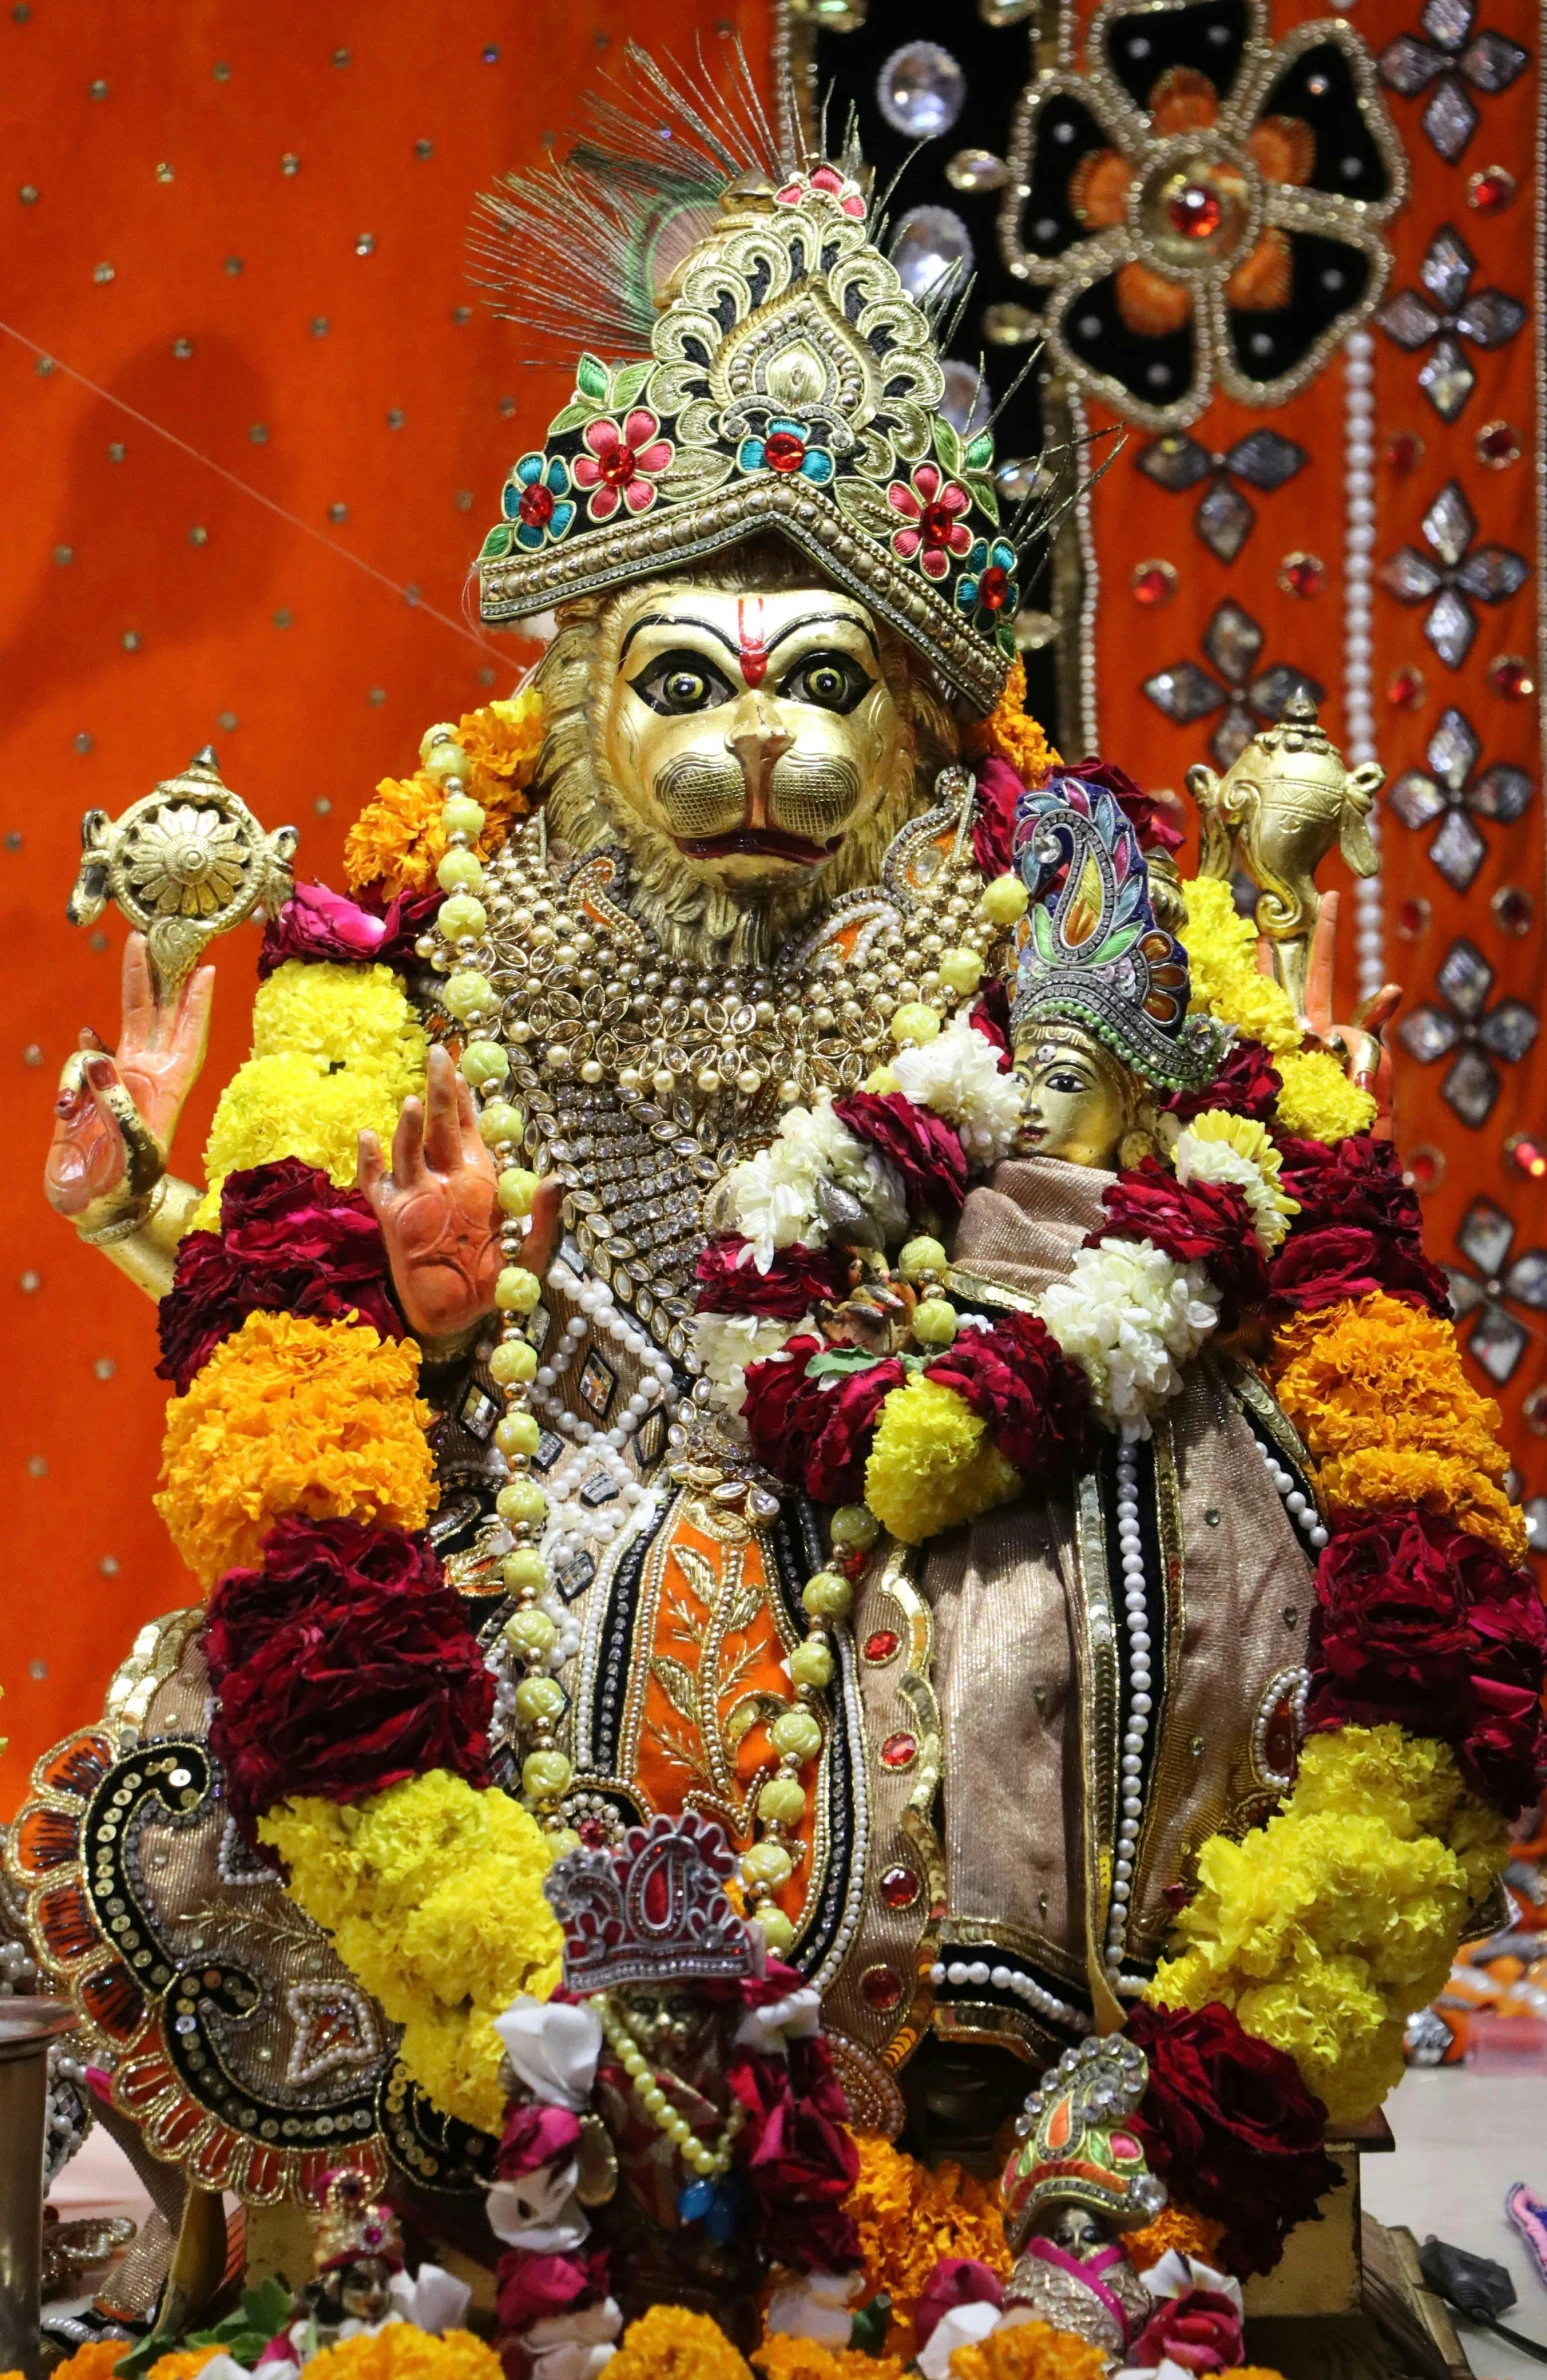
(681, 681)
(830, 681)
(1066, 1080)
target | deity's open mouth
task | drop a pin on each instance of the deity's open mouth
(761, 842)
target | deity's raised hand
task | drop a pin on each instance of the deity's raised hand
(437, 1208)
(116, 1113)
(1366, 1059)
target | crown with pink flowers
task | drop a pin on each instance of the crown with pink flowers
(654, 1910)
(788, 383)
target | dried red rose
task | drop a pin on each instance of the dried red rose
(535, 2134)
(926, 1152)
(290, 1242)
(1201, 2332)
(342, 1666)
(798, 2154)
(1018, 1380)
(316, 923)
(815, 1433)
(1230, 2126)
(955, 2281)
(1422, 1624)
(798, 1279)
(990, 1016)
(1247, 1084)
(993, 819)
(534, 2287)
(1206, 1223)
(1147, 816)
(1359, 1228)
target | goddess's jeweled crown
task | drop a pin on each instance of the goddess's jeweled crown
(351, 2224)
(652, 1911)
(788, 382)
(1075, 2146)
(1092, 950)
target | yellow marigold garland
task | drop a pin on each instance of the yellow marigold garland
(1325, 1928)
(1029, 2351)
(291, 1415)
(784, 2358)
(669, 2343)
(336, 1051)
(433, 1894)
(1318, 1102)
(399, 2351)
(1012, 732)
(1222, 955)
(909, 2216)
(932, 1463)
(398, 840)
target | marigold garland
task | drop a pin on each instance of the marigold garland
(398, 840)
(784, 2358)
(1012, 732)
(399, 2351)
(1318, 1102)
(933, 1463)
(94, 2361)
(1179, 2227)
(1221, 950)
(433, 1894)
(291, 1415)
(909, 2216)
(1325, 1928)
(670, 2343)
(1379, 1478)
(1029, 2351)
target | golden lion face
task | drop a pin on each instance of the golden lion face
(755, 732)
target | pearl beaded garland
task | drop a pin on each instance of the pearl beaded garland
(1130, 1544)
(1358, 644)
(647, 2087)
(959, 1972)
(1308, 1524)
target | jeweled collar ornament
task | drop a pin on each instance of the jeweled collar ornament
(782, 379)
(1092, 950)
(652, 1911)
(1075, 2145)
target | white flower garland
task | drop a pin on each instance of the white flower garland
(957, 1076)
(1130, 1317)
(727, 1343)
(773, 1196)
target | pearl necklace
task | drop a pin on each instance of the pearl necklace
(1130, 1544)
(647, 2087)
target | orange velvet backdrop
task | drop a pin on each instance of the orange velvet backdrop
(246, 224)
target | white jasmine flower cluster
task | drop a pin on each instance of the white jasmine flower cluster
(774, 1194)
(957, 1076)
(1131, 1317)
(727, 1343)
(1198, 1160)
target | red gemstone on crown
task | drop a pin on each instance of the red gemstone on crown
(882, 1645)
(994, 588)
(617, 466)
(880, 1987)
(536, 506)
(936, 523)
(783, 451)
(899, 1751)
(1195, 211)
(900, 1888)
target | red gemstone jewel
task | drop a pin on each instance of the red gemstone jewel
(1195, 211)
(1425, 1169)
(1413, 918)
(880, 1987)
(936, 522)
(1511, 676)
(1302, 574)
(1527, 1153)
(592, 1833)
(1513, 908)
(1498, 445)
(1404, 452)
(882, 1645)
(783, 451)
(994, 588)
(536, 506)
(617, 466)
(899, 1751)
(1491, 190)
(1154, 583)
(900, 1888)
(1406, 689)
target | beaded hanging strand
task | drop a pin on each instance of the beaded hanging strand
(648, 2088)
(531, 1633)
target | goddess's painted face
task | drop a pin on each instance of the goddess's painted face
(1074, 1106)
(1077, 2231)
(757, 732)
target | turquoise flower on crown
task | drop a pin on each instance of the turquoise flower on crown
(538, 500)
(785, 447)
(987, 590)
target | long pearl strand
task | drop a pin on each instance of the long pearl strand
(1140, 1704)
(1010, 1979)
(1358, 640)
(573, 1523)
(1309, 1527)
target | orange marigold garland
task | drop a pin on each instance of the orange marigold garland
(399, 839)
(784, 2358)
(909, 2216)
(1012, 732)
(290, 1415)
(1029, 2351)
(1179, 2227)
(669, 2343)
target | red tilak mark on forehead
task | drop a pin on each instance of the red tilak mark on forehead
(749, 628)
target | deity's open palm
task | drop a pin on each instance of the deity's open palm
(437, 1207)
(116, 1114)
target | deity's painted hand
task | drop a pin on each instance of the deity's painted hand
(116, 1113)
(438, 1211)
(1361, 1046)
